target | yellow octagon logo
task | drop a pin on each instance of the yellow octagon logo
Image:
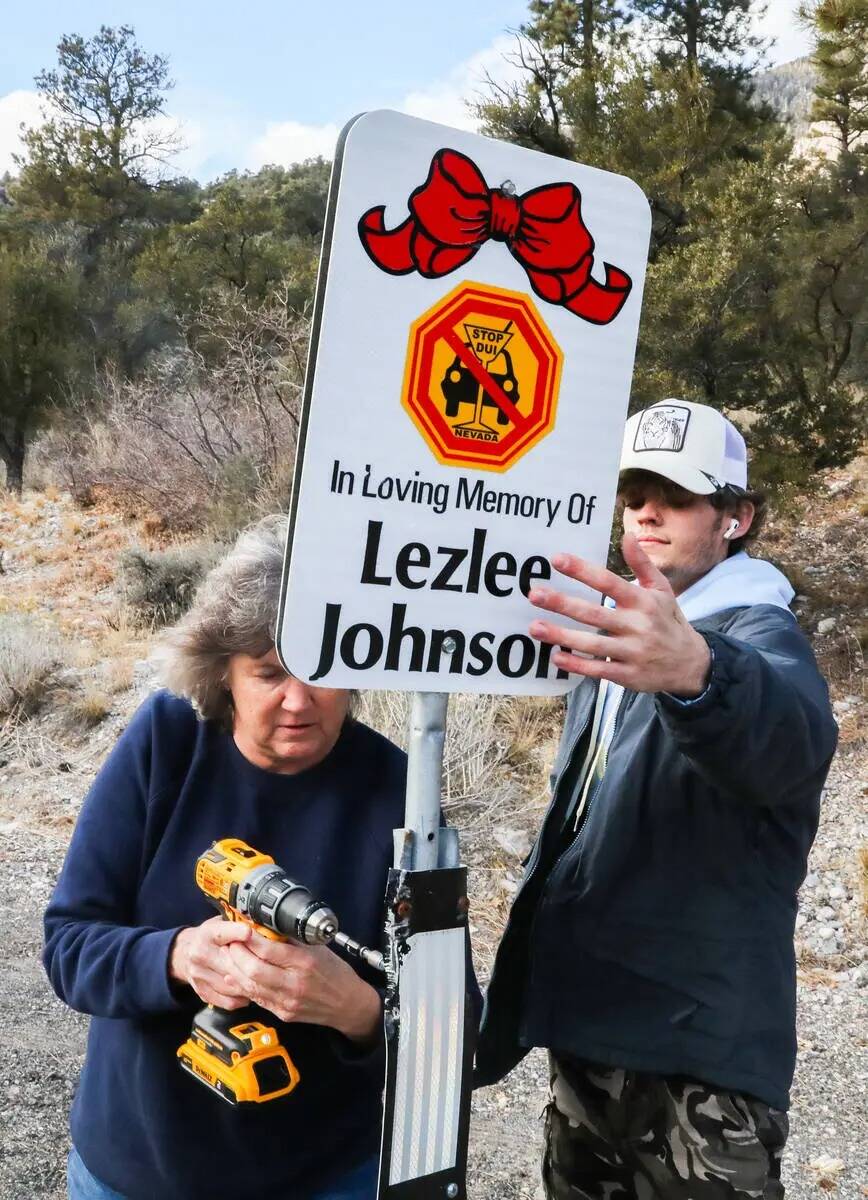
(482, 377)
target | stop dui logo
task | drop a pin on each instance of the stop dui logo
(482, 376)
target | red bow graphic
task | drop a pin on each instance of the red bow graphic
(454, 212)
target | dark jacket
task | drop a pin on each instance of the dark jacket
(660, 938)
(169, 788)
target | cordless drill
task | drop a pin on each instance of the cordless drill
(233, 1053)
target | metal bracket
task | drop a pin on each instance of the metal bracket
(430, 1035)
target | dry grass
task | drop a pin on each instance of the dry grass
(87, 709)
(118, 675)
(120, 636)
(28, 743)
(30, 656)
(476, 746)
(19, 605)
(87, 654)
(101, 573)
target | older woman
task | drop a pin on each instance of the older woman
(252, 753)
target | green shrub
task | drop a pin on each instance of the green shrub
(159, 585)
(29, 657)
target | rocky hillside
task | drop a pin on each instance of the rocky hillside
(60, 589)
(789, 89)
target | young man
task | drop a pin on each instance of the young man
(650, 947)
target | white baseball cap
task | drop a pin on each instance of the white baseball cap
(691, 444)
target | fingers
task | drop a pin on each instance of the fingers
(613, 620)
(647, 575)
(598, 578)
(223, 933)
(280, 954)
(592, 668)
(253, 973)
(227, 999)
(574, 639)
(278, 989)
(210, 982)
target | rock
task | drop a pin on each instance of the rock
(824, 940)
(825, 913)
(811, 879)
(514, 841)
(826, 1165)
(837, 892)
(826, 625)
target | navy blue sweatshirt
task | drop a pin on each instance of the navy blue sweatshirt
(170, 787)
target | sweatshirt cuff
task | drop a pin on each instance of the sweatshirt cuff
(685, 712)
(688, 702)
(147, 972)
(369, 1055)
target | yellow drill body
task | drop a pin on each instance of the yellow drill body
(240, 1059)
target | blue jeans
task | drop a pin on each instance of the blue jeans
(358, 1184)
(81, 1185)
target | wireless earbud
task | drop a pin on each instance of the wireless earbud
(731, 531)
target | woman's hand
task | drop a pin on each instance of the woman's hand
(200, 957)
(304, 983)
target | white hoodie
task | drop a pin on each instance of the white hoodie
(737, 582)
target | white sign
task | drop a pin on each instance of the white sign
(474, 331)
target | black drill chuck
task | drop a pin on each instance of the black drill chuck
(268, 897)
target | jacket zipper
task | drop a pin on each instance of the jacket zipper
(533, 861)
(570, 845)
(578, 833)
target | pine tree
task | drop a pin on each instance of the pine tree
(714, 35)
(40, 340)
(565, 43)
(91, 169)
(576, 32)
(92, 158)
(841, 59)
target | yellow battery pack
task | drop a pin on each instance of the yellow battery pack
(242, 1063)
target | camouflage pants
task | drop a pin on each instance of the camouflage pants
(613, 1134)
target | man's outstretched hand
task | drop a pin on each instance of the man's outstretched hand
(650, 644)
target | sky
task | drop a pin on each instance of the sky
(274, 80)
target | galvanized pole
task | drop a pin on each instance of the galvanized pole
(424, 770)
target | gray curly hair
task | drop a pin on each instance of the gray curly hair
(234, 612)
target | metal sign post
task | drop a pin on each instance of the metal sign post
(430, 1028)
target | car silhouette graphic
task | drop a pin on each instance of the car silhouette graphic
(460, 387)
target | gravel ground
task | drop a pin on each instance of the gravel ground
(42, 1042)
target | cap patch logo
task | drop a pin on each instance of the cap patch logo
(662, 428)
